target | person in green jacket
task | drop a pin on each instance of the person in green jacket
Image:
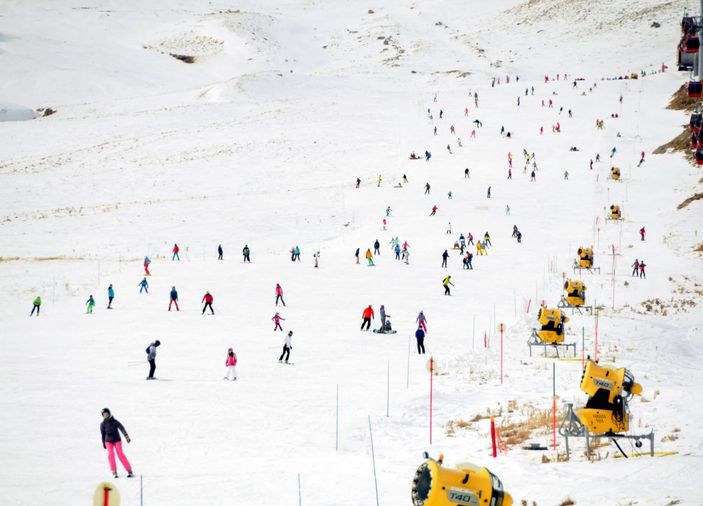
(37, 305)
(91, 304)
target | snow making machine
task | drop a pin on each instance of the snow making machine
(575, 297)
(585, 260)
(463, 485)
(615, 213)
(615, 173)
(606, 413)
(551, 331)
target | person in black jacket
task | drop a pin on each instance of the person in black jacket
(110, 430)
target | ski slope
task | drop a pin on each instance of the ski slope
(260, 142)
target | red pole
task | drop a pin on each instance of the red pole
(493, 437)
(106, 496)
(431, 375)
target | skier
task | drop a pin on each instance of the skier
(642, 233)
(566, 174)
(316, 257)
(151, 358)
(446, 282)
(427, 188)
(397, 251)
(287, 346)
(110, 430)
(207, 299)
(420, 336)
(507, 210)
(487, 239)
(367, 316)
(445, 255)
(466, 173)
(641, 159)
(470, 239)
(369, 257)
(277, 319)
(292, 254)
(468, 259)
(405, 179)
(219, 252)
(449, 195)
(519, 237)
(147, 261)
(642, 266)
(110, 296)
(421, 321)
(36, 305)
(388, 211)
(635, 267)
(90, 304)
(434, 210)
(533, 176)
(245, 253)
(144, 285)
(510, 173)
(356, 255)
(279, 295)
(175, 251)
(174, 299)
(376, 247)
(358, 182)
(613, 151)
(231, 364)
(488, 194)
(383, 314)
(379, 181)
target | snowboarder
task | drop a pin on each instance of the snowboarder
(642, 233)
(376, 247)
(173, 299)
(367, 316)
(635, 267)
(445, 255)
(110, 430)
(277, 319)
(427, 188)
(420, 336)
(151, 358)
(147, 261)
(219, 252)
(175, 251)
(421, 321)
(245, 253)
(383, 314)
(90, 304)
(642, 266)
(434, 210)
(279, 295)
(36, 305)
(369, 257)
(207, 299)
(447, 282)
(144, 285)
(110, 296)
(287, 346)
(231, 364)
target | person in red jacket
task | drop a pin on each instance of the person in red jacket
(277, 320)
(175, 250)
(367, 315)
(231, 364)
(642, 233)
(279, 295)
(207, 299)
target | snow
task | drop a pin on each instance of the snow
(259, 142)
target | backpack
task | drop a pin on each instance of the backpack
(147, 348)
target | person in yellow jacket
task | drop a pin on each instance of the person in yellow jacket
(446, 282)
(369, 257)
(479, 248)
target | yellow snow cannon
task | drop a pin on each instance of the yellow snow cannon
(615, 213)
(609, 391)
(552, 322)
(585, 257)
(575, 293)
(464, 485)
(615, 173)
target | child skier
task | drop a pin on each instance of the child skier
(36, 305)
(231, 364)
(277, 320)
(279, 295)
(287, 346)
(90, 304)
(110, 430)
(110, 296)
(207, 299)
(144, 286)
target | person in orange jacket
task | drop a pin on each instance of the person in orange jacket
(367, 315)
(207, 299)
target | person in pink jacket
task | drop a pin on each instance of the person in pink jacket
(277, 320)
(279, 295)
(231, 364)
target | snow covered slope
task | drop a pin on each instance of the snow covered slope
(260, 142)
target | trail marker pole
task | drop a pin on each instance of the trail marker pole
(388, 389)
(431, 386)
(300, 492)
(554, 406)
(502, 328)
(373, 460)
(336, 427)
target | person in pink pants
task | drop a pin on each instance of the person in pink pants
(110, 430)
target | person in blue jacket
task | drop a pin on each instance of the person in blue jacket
(110, 296)
(144, 286)
(174, 299)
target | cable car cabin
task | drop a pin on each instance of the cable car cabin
(585, 257)
(685, 60)
(552, 325)
(615, 173)
(575, 293)
(695, 122)
(695, 89)
(699, 156)
(692, 44)
(615, 213)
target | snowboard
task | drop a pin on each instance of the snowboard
(287, 363)
(377, 331)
